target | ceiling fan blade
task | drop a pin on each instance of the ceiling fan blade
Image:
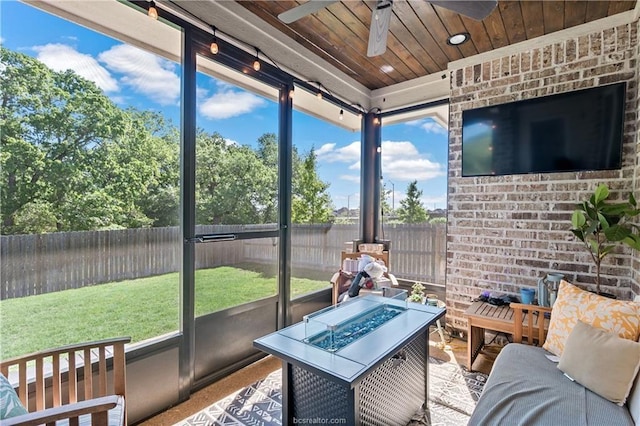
(477, 10)
(380, 18)
(304, 9)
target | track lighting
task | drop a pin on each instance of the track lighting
(256, 63)
(214, 42)
(152, 12)
(291, 94)
(341, 116)
(319, 94)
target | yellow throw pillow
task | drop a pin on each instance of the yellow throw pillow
(601, 361)
(574, 304)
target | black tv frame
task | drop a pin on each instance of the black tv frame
(542, 126)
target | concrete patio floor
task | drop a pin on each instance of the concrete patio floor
(455, 351)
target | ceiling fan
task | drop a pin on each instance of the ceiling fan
(478, 10)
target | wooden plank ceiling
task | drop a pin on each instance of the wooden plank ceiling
(416, 44)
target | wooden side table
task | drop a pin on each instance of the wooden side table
(483, 316)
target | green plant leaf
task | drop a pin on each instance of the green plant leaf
(605, 250)
(577, 219)
(604, 223)
(578, 233)
(601, 193)
(592, 228)
(594, 246)
(633, 241)
(617, 233)
(592, 213)
(632, 200)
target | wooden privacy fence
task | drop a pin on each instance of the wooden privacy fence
(44, 263)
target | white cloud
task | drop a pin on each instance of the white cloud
(429, 125)
(402, 161)
(144, 72)
(433, 127)
(230, 142)
(347, 154)
(60, 57)
(227, 103)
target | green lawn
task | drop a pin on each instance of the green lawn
(140, 308)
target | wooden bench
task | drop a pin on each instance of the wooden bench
(483, 316)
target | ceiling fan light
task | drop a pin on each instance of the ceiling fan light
(458, 39)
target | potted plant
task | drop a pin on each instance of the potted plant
(417, 293)
(601, 225)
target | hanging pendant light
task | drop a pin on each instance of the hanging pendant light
(214, 42)
(152, 12)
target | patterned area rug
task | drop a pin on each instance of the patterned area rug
(453, 393)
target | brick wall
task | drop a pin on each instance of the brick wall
(635, 263)
(505, 232)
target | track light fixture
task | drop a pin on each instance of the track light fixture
(341, 116)
(214, 42)
(291, 92)
(152, 12)
(319, 94)
(256, 63)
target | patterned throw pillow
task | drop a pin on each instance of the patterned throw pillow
(573, 304)
(10, 405)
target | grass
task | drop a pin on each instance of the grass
(141, 308)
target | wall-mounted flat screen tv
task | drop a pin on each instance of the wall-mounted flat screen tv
(567, 132)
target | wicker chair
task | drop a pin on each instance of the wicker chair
(54, 385)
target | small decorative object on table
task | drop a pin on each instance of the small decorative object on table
(417, 293)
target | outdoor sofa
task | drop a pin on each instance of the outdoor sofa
(526, 387)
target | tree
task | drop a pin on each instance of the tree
(71, 159)
(311, 203)
(385, 207)
(233, 184)
(268, 153)
(161, 202)
(411, 209)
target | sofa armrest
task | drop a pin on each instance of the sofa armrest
(97, 407)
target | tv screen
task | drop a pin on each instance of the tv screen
(572, 131)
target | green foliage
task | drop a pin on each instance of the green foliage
(417, 293)
(385, 207)
(67, 152)
(141, 308)
(601, 225)
(70, 159)
(310, 201)
(411, 209)
(435, 220)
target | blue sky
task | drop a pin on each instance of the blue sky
(132, 77)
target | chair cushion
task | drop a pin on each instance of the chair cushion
(601, 361)
(574, 304)
(10, 404)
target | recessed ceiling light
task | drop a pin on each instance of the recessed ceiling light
(458, 39)
(386, 69)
